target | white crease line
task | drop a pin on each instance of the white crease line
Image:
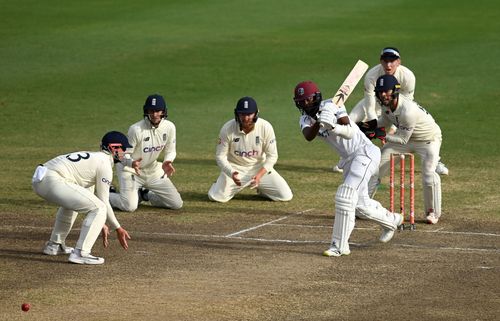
(462, 233)
(424, 247)
(437, 231)
(264, 224)
(322, 226)
(466, 249)
(496, 251)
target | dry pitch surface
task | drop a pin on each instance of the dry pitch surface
(254, 266)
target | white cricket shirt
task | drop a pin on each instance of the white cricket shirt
(255, 149)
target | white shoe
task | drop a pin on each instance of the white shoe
(79, 257)
(387, 234)
(52, 248)
(441, 169)
(337, 169)
(335, 252)
(432, 218)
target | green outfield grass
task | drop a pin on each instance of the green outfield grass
(72, 71)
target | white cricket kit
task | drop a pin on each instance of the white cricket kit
(69, 181)
(247, 154)
(360, 160)
(148, 143)
(368, 107)
(417, 132)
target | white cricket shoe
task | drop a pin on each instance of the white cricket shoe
(52, 248)
(335, 252)
(432, 218)
(441, 169)
(337, 169)
(387, 234)
(80, 257)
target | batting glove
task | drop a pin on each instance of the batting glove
(327, 118)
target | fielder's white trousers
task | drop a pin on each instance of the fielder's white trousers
(271, 185)
(72, 199)
(162, 193)
(429, 155)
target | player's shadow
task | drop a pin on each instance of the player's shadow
(29, 255)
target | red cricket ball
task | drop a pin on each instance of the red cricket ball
(25, 307)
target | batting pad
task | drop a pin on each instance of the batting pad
(378, 214)
(345, 204)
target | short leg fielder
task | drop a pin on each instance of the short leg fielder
(272, 185)
(72, 199)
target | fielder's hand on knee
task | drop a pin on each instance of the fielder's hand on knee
(168, 168)
(236, 178)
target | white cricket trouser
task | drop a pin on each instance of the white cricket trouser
(271, 185)
(162, 192)
(357, 173)
(72, 199)
(429, 155)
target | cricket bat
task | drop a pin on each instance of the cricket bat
(349, 84)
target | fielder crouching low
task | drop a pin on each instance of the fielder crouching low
(79, 183)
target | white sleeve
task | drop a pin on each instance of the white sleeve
(222, 151)
(344, 131)
(170, 145)
(270, 148)
(406, 126)
(369, 95)
(104, 176)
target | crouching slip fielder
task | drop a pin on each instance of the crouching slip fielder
(360, 161)
(417, 132)
(149, 137)
(246, 153)
(69, 181)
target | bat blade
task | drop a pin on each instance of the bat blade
(350, 83)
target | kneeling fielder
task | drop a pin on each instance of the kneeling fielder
(246, 154)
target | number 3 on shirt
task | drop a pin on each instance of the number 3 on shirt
(80, 157)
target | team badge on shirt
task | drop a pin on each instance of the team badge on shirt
(235, 140)
(257, 140)
(164, 137)
(147, 139)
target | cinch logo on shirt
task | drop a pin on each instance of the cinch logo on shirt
(253, 153)
(153, 149)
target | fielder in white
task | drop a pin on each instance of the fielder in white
(141, 176)
(417, 132)
(69, 181)
(246, 154)
(360, 158)
(368, 109)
